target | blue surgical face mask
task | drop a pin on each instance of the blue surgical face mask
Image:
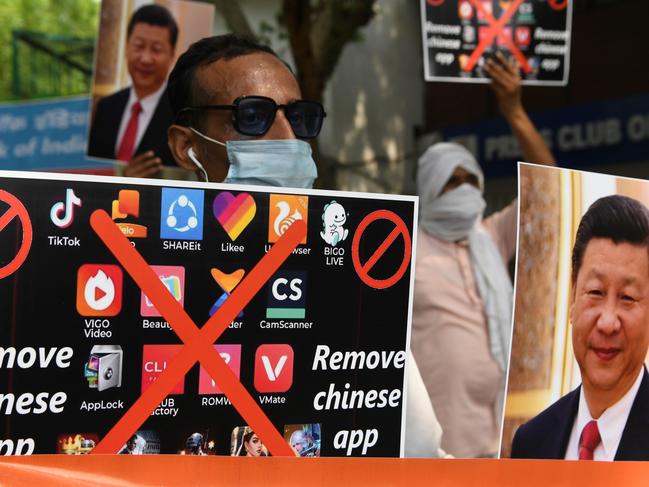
(285, 162)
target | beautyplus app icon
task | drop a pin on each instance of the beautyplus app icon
(173, 277)
(234, 213)
(181, 214)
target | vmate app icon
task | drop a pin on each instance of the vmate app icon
(173, 278)
(274, 368)
(99, 290)
(155, 359)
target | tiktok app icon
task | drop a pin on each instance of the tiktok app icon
(274, 368)
(62, 212)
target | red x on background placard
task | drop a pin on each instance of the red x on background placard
(198, 344)
(496, 27)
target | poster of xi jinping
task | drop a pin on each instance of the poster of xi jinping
(460, 36)
(202, 319)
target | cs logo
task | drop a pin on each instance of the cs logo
(287, 295)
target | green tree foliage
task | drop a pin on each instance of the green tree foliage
(74, 18)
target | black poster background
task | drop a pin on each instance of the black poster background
(37, 309)
(533, 14)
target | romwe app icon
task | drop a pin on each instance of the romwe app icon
(173, 278)
(128, 204)
(155, 359)
(103, 370)
(234, 213)
(231, 355)
(334, 218)
(227, 282)
(284, 211)
(62, 213)
(287, 295)
(99, 290)
(274, 368)
(181, 215)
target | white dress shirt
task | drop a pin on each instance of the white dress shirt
(610, 424)
(149, 104)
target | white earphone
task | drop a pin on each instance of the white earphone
(192, 156)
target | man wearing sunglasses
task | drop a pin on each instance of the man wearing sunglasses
(240, 118)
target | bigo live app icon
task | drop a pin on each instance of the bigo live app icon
(273, 368)
(99, 290)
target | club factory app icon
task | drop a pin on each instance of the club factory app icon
(231, 354)
(181, 214)
(155, 359)
(127, 205)
(99, 290)
(273, 368)
(284, 211)
(287, 295)
(227, 282)
(62, 213)
(103, 370)
(234, 213)
(173, 278)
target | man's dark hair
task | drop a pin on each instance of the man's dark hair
(618, 218)
(183, 89)
(154, 15)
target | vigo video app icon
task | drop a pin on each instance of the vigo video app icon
(99, 290)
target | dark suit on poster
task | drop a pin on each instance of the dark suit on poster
(107, 119)
(546, 435)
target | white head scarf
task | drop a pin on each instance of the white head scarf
(455, 215)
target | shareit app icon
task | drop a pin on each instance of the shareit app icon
(181, 214)
(173, 278)
(284, 211)
(273, 368)
(62, 213)
(99, 290)
(231, 354)
(287, 295)
(155, 359)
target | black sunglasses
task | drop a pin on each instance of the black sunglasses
(254, 115)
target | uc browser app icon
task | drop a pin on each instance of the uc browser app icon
(285, 209)
(181, 214)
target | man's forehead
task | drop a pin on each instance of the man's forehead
(250, 74)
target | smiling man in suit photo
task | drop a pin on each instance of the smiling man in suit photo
(131, 124)
(607, 416)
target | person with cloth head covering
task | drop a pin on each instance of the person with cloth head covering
(463, 294)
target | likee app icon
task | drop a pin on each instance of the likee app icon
(181, 214)
(287, 295)
(173, 278)
(62, 213)
(127, 205)
(274, 368)
(227, 282)
(155, 359)
(231, 354)
(99, 290)
(234, 213)
(103, 370)
(284, 211)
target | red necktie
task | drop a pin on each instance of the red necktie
(589, 440)
(127, 145)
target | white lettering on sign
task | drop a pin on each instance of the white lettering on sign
(352, 439)
(589, 135)
(28, 356)
(27, 402)
(22, 446)
(353, 360)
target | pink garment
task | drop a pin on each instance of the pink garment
(450, 338)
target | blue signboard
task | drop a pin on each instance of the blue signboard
(579, 136)
(46, 135)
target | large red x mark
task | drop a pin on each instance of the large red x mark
(197, 343)
(496, 27)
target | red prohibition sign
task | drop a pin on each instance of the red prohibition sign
(16, 209)
(435, 3)
(558, 4)
(363, 269)
(198, 343)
